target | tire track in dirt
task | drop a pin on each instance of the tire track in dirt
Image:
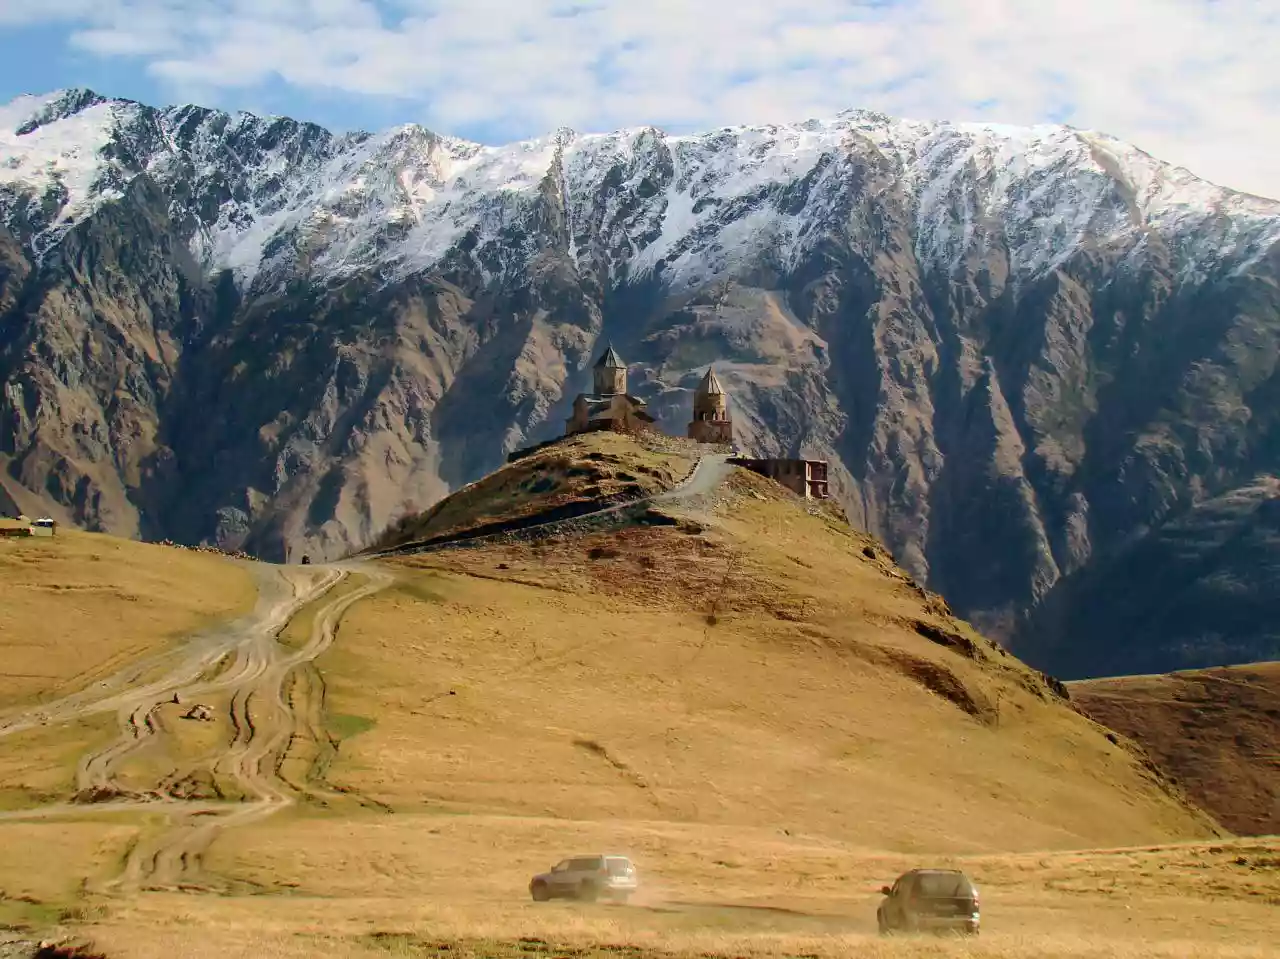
(179, 666)
(98, 772)
(264, 723)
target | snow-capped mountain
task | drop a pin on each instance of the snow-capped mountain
(278, 198)
(1018, 346)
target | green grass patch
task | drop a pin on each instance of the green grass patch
(28, 915)
(417, 590)
(345, 726)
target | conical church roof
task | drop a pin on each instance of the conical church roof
(710, 385)
(610, 360)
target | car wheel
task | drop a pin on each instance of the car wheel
(540, 892)
(588, 892)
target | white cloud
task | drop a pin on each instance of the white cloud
(1195, 82)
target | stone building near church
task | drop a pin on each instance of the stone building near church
(807, 478)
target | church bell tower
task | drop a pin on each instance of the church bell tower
(711, 422)
(610, 374)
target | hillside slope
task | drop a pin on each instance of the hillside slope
(575, 476)
(77, 613)
(1021, 349)
(756, 662)
(81, 604)
(1217, 731)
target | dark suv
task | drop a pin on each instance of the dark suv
(930, 899)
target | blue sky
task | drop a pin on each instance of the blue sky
(1194, 82)
(37, 58)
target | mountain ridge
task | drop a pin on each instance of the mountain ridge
(1152, 187)
(1020, 349)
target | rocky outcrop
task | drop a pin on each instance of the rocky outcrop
(1029, 356)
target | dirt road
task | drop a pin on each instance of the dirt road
(707, 475)
(271, 695)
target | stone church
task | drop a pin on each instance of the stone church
(609, 406)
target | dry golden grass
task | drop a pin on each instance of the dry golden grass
(749, 704)
(76, 606)
(420, 885)
(43, 863)
(186, 745)
(1215, 730)
(581, 469)
(298, 631)
(39, 765)
(585, 679)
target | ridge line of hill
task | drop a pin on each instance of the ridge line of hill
(688, 487)
(1212, 731)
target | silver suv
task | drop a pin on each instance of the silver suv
(588, 878)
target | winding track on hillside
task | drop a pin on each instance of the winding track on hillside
(243, 661)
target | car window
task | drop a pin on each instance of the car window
(619, 867)
(943, 885)
(578, 865)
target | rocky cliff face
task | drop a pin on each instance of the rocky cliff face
(1202, 587)
(1026, 352)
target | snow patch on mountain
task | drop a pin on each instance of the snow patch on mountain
(471, 187)
(62, 159)
(1208, 223)
(721, 209)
